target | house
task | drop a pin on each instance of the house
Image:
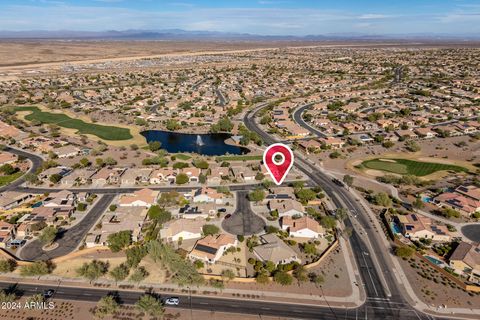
(463, 204)
(426, 133)
(309, 146)
(129, 177)
(217, 174)
(66, 151)
(78, 177)
(7, 233)
(206, 194)
(304, 227)
(192, 212)
(280, 193)
(62, 198)
(212, 247)
(163, 175)
(272, 248)
(107, 175)
(418, 227)
(471, 191)
(184, 229)
(124, 218)
(465, 260)
(286, 207)
(406, 134)
(139, 198)
(332, 142)
(243, 173)
(192, 173)
(12, 199)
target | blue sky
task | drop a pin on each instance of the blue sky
(267, 17)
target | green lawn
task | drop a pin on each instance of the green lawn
(416, 168)
(239, 158)
(4, 180)
(62, 120)
(181, 156)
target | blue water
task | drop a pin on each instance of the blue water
(37, 204)
(213, 143)
(426, 199)
(396, 228)
(433, 260)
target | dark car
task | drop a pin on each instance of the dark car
(222, 210)
(48, 293)
(228, 216)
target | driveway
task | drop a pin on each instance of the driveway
(68, 240)
(243, 221)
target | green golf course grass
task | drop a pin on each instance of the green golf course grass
(405, 166)
(62, 120)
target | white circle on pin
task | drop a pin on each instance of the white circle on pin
(279, 162)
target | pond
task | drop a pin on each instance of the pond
(210, 144)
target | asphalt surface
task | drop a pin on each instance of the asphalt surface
(297, 117)
(68, 239)
(383, 302)
(36, 163)
(472, 232)
(243, 306)
(243, 221)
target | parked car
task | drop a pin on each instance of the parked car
(228, 216)
(173, 301)
(222, 210)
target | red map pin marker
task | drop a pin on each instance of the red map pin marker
(278, 158)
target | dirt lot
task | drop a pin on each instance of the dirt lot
(436, 293)
(83, 311)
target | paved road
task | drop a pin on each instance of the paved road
(68, 239)
(36, 163)
(384, 300)
(243, 221)
(120, 190)
(297, 117)
(243, 306)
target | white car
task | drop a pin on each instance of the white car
(172, 301)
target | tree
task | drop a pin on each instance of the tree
(135, 255)
(173, 125)
(309, 248)
(139, 274)
(282, 278)
(7, 265)
(81, 206)
(418, 203)
(305, 195)
(228, 274)
(382, 199)
(300, 273)
(106, 306)
(84, 162)
(256, 195)
(262, 278)
(154, 146)
(55, 178)
(93, 270)
(36, 298)
(412, 146)
(7, 169)
(118, 241)
(6, 297)
(341, 214)
(38, 268)
(133, 147)
(210, 229)
(404, 251)
(223, 125)
(328, 222)
(48, 235)
(316, 278)
(182, 178)
(120, 272)
(150, 305)
(161, 215)
(109, 161)
(31, 178)
(348, 180)
(200, 163)
(99, 162)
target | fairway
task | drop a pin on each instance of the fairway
(62, 120)
(404, 166)
(239, 158)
